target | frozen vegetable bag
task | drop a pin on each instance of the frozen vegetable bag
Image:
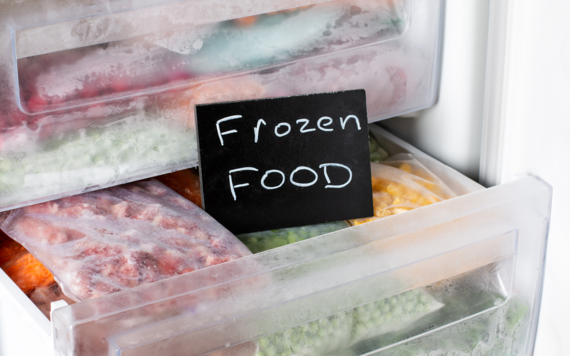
(98, 94)
(401, 183)
(118, 238)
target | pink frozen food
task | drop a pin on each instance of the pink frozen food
(118, 238)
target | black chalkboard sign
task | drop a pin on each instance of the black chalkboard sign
(274, 163)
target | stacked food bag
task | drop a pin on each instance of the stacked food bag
(118, 238)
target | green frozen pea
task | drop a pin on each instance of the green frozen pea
(360, 328)
(296, 336)
(393, 301)
(263, 342)
(303, 233)
(278, 242)
(372, 143)
(375, 157)
(271, 351)
(292, 238)
(377, 314)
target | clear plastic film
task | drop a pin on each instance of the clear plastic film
(118, 238)
(401, 183)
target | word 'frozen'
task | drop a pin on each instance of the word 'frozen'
(284, 128)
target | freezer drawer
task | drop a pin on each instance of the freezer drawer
(95, 94)
(463, 274)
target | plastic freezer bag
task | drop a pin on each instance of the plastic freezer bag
(103, 145)
(401, 183)
(339, 331)
(118, 238)
(392, 314)
(497, 332)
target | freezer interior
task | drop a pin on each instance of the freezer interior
(96, 94)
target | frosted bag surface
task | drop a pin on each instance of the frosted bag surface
(118, 238)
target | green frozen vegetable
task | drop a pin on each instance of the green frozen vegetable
(392, 313)
(267, 240)
(339, 331)
(377, 153)
(496, 332)
(98, 156)
(319, 337)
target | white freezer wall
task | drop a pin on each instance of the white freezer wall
(502, 110)
(450, 131)
(534, 122)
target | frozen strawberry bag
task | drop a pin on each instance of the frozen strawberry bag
(118, 238)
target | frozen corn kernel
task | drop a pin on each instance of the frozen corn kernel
(406, 167)
(397, 188)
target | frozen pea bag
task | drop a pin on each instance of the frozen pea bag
(496, 332)
(335, 334)
(319, 337)
(402, 183)
(267, 240)
(392, 314)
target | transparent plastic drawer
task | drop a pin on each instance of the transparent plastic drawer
(463, 276)
(95, 94)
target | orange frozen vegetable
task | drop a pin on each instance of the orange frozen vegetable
(402, 183)
(23, 268)
(9, 248)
